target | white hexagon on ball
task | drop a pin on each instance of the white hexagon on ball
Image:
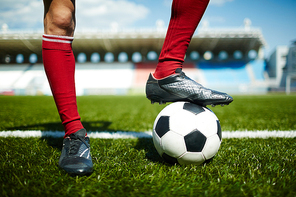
(173, 144)
(206, 122)
(185, 126)
(191, 158)
(211, 147)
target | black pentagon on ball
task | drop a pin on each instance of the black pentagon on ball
(162, 125)
(193, 108)
(195, 141)
(219, 132)
(169, 159)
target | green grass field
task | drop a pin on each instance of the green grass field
(132, 167)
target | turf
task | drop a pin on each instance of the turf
(132, 167)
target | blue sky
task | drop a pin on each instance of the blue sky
(276, 18)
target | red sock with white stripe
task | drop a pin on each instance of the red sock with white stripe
(59, 65)
(186, 14)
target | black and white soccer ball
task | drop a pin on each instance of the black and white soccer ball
(186, 133)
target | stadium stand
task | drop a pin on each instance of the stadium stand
(234, 76)
(124, 78)
(259, 67)
(120, 62)
(226, 72)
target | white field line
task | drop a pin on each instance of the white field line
(146, 134)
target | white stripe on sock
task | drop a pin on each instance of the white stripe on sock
(56, 36)
(56, 40)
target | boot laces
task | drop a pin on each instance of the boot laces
(75, 142)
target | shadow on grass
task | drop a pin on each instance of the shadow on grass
(54, 142)
(147, 145)
(57, 126)
(143, 143)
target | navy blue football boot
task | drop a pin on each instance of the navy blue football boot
(179, 87)
(75, 158)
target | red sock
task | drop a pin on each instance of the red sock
(185, 17)
(59, 65)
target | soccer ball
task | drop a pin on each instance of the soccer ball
(186, 133)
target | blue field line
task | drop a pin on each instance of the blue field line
(146, 134)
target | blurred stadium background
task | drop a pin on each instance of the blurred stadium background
(119, 61)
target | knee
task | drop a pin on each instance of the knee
(60, 22)
(63, 19)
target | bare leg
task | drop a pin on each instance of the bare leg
(59, 17)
